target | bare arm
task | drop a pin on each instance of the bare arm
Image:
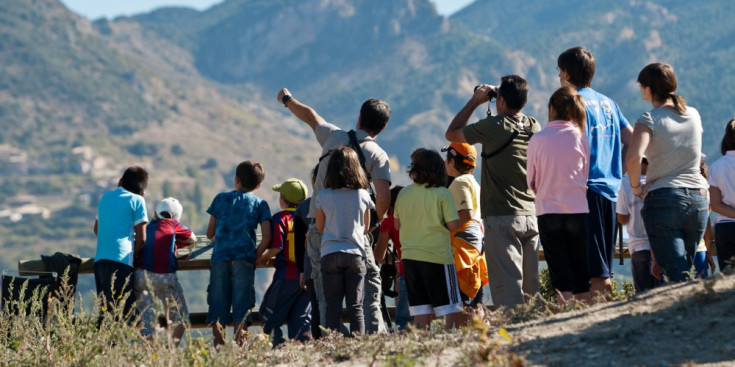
(139, 237)
(382, 197)
(366, 218)
(454, 131)
(300, 110)
(623, 219)
(211, 227)
(638, 145)
(381, 247)
(267, 255)
(464, 216)
(626, 135)
(96, 224)
(451, 226)
(320, 219)
(717, 205)
(265, 237)
(191, 239)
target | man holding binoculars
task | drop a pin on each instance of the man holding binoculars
(511, 231)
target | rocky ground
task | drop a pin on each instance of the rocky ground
(689, 323)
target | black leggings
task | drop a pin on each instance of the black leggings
(564, 240)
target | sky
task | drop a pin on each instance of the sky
(94, 9)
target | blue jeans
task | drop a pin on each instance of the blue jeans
(343, 276)
(286, 301)
(675, 220)
(231, 285)
(641, 266)
(700, 265)
(403, 317)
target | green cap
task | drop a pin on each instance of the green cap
(293, 190)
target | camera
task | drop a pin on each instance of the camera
(492, 93)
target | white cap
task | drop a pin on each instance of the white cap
(171, 206)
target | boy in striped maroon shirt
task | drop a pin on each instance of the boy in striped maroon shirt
(286, 300)
(156, 265)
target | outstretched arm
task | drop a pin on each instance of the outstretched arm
(300, 110)
(454, 131)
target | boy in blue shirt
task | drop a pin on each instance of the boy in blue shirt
(234, 216)
(286, 300)
(120, 230)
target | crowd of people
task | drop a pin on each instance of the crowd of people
(561, 187)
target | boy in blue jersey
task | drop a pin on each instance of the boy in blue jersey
(607, 131)
(286, 300)
(234, 216)
(156, 265)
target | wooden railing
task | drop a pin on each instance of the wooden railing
(198, 259)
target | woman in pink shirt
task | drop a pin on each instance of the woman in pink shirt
(558, 166)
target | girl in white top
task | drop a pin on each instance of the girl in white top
(722, 198)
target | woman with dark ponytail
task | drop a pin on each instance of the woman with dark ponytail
(676, 199)
(722, 195)
(558, 166)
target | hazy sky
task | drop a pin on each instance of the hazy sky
(94, 9)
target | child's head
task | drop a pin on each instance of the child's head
(703, 168)
(461, 157)
(169, 208)
(248, 176)
(728, 140)
(135, 180)
(579, 65)
(427, 168)
(293, 191)
(566, 104)
(394, 191)
(344, 170)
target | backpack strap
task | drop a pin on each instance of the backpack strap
(527, 130)
(355, 145)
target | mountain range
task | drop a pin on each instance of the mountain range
(191, 93)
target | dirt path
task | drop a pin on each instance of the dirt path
(673, 325)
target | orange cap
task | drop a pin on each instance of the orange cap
(467, 152)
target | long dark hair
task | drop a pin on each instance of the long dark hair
(569, 106)
(728, 140)
(661, 78)
(427, 167)
(344, 170)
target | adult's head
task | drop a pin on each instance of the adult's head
(427, 168)
(250, 174)
(135, 180)
(576, 67)
(658, 85)
(567, 105)
(728, 140)
(374, 115)
(344, 170)
(514, 93)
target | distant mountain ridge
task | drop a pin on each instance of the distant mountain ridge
(625, 36)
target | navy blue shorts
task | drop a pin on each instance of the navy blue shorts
(601, 222)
